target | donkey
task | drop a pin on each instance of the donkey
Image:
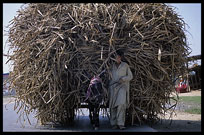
(94, 99)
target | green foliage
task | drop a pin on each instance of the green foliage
(194, 99)
(194, 110)
(193, 104)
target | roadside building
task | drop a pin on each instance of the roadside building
(194, 72)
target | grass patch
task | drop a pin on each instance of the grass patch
(193, 104)
(194, 110)
(193, 99)
(189, 104)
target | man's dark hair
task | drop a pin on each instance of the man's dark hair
(120, 52)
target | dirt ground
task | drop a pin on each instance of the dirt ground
(181, 121)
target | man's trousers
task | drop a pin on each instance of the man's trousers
(117, 115)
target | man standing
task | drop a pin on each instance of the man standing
(119, 91)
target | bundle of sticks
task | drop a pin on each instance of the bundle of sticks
(56, 49)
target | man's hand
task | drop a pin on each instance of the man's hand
(121, 80)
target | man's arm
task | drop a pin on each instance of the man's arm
(129, 75)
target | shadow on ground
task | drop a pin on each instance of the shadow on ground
(82, 124)
(178, 126)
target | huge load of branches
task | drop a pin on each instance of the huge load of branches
(56, 49)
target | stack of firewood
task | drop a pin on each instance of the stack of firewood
(55, 50)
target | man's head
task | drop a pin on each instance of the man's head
(120, 54)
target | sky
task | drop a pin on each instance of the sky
(190, 12)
